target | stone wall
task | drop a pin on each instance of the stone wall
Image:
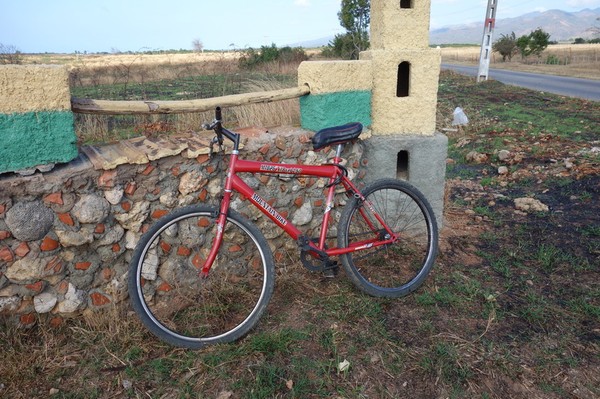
(66, 236)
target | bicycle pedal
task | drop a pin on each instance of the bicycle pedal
(331, 270)
(330, 273)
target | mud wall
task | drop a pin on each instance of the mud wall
(36, 122)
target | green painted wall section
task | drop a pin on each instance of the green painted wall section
(325, 110)
(36, 138)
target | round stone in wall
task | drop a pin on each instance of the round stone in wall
(29, 221)
(91, 209)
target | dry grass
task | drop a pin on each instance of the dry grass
(582, 60)
(279, 113)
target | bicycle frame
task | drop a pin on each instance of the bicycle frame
(334, 172)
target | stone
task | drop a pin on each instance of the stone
(503, 155)
(26, 269)
(45, 302)
(29, 221)
(91, 209)
(150, 266)
(131, 239)
(133, 219)
(114, 196)
(73, 301)
(502, 170)
(75, 238)
(303, 215)
(113, 235)
(10, 304)
(476, 157)
(530, 205)
(191, 182)
(168, 199)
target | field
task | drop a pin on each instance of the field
(511, 310)
(581, 60)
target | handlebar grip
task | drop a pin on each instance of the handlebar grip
(218, 113)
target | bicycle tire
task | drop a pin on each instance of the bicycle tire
(397, 269)
(180, 307)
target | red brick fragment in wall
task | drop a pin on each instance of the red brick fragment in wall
(202, 158)
(83, 265)
(164, 287)
(107, 274)
(203, 194)
(49, 244)
(4, 234)
(235, 248)
(149, 169)
(299, 201)
(99, 228)
(6, 254)
(126, 205)
(98, 299)
(107, 179)
(54, 264)
(265, 149)
(62, 287)
(157, 214)
(22, 249)
(54, 198)
(66, 219)
(27, 319)
(130, 188)
(56, 322)
(183, 251)
(2, 209)
(36, 287)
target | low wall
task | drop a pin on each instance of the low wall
(66, 236)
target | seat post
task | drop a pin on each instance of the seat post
(338, 151)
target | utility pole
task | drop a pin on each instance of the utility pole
(486, 41)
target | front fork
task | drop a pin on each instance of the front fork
(221, 218)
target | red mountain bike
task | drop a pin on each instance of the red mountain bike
(204, 274)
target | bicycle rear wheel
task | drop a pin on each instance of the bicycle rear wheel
(180, 307)
(397, 269)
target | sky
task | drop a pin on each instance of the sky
(67, 26)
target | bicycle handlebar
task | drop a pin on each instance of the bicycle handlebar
(217, 126)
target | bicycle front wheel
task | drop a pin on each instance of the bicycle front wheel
(180, 307)
(397, 269)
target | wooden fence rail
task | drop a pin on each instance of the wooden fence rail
(106, 107)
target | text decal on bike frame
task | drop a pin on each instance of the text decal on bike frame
(280, 169)
(268, 208)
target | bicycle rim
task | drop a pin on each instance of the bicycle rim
(182, 308)
(396, 269)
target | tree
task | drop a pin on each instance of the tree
(10, 55)
(506, 46)
(534, 43)
(197, 45)
(355, 17)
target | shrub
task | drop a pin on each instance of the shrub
(268, 54)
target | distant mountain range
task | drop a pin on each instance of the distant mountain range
(561, 25)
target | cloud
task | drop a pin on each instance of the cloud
(302, 3)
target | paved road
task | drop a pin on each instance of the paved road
(572, 87)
